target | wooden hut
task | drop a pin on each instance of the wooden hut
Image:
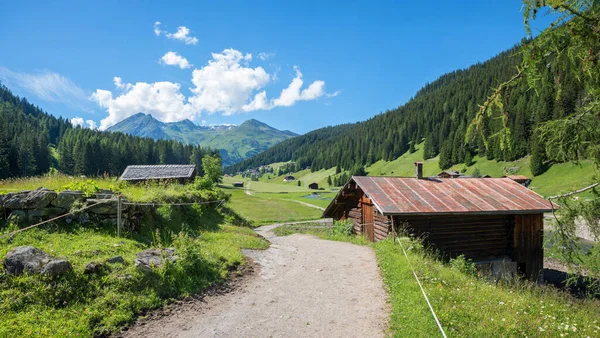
(289, 178)
(182, 173)
(482, 219)
(238, 184)
(314, 186)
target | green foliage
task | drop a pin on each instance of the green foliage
(213, 169)
(342, 228)
(463, 265)
(89, 187)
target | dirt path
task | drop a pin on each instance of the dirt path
(305, 287)
(310, 205)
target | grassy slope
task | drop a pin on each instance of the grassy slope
(559, 178)
(82, 304)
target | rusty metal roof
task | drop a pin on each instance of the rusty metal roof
(400, 195)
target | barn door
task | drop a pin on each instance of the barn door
(367, 220)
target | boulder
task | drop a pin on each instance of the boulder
(106, 208)
(36, 214)
(104, 194)
(65, 199)
(33, 260)
(115, 260)
(150, 258)
(93, 267)
(26, 259)
(55, 268)
(35, 199)
(17, 216)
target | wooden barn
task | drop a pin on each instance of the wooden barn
(238, 184)
(314, 186)
(182, 173)
(483, 219)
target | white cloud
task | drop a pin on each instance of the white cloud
(174, 59)
(161, 99)
(334, 94)
(183, 34)
(292, 94)
(91, 124)
(157, 30)
(265, 56)
(226, 84)
(77, 121)
(48, 86)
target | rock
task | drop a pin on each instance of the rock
(57, 267)
(104, 194)
(36, 214)
(36, 199)
(26, 259)
(93, 267)
(65, 199)
(106, 208)
(17, 216)
(115, 260)
(153, 258)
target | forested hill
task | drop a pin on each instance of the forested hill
(440, 113)
(32, 141)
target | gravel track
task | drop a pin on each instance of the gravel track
(303, 287)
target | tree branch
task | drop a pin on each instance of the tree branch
(574, 192)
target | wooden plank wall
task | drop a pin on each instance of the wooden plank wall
(528, 245)
(355, 215)
(381, 225)
(473, 236)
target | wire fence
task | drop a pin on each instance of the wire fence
(113, 198)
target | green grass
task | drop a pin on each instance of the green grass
(148, 192)
(80, 304)
(317, 229)
(260, 209)
(323, 201)
(472, 307)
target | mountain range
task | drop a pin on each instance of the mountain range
(235, 143)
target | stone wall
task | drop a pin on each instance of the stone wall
(34, 206)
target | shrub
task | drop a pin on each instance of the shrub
(342, 228)
(463, 265)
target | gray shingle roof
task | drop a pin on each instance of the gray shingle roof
(155, 172)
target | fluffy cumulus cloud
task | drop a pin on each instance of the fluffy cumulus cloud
(293, 93)
(226, 84)
(174, 59)
(161, 99)
(182, 34)
(78, 122)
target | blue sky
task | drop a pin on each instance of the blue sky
(294, 65)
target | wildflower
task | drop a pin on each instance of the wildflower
(501, 303)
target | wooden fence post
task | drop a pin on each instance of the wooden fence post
(119, 215)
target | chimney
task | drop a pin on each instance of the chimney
(419, 170)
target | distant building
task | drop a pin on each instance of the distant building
(313, 186)
(289, 178)
(521, 179)
(449, 174)
(182, 173)
(238, 184)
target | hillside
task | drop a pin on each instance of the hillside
(235, 143)
(440, 114)
(26, 132)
